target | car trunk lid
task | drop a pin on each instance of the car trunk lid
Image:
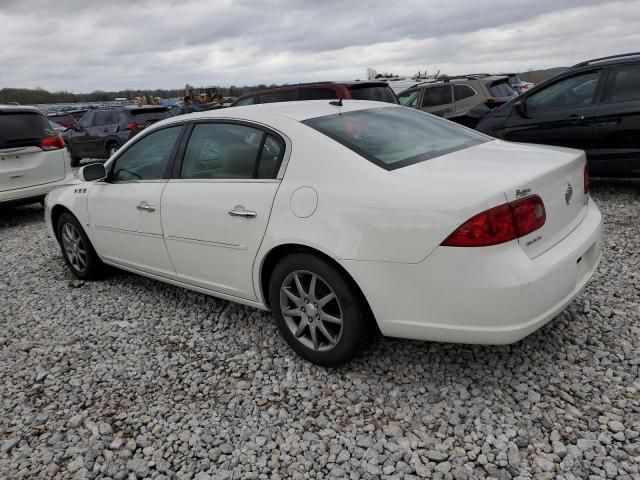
(517, 170)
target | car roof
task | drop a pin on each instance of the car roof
(610, 60)
(347, 84)
(298, 111)
(18, 108)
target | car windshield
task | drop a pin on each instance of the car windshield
(378, 93)
(501, 89)
(393, 137)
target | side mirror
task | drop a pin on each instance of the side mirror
(521, 108)
(93, 172)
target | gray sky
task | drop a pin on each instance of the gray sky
(85, 45)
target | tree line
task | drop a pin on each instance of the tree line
(28, 96)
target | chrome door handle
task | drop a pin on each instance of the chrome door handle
(146, 207)
(240, 211)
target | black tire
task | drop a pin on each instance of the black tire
(357, 328)
(112, 148)
(92, 267)
(75, 160)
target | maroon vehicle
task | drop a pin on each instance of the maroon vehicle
(356, 90)
(65, 119)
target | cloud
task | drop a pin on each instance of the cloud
(82, 45)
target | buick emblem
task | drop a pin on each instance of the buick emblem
(568, 194)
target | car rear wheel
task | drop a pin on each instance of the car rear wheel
(77, 250)
(318, 311)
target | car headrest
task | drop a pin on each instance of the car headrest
(238, 160)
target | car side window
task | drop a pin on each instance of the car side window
(409, 98)
(624, 84)
(572, 92)
(270, 157)
(221, 151)
(460, 92)
(86, 120)
(146, 159)
(245, 101)
(438, 95)
(316, 94)
(102, 117)
(286, 96)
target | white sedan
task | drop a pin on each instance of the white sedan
(344, 221)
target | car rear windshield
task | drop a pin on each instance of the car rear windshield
(149, 114)
(23, 129)
(501, 89)
(378, 93)
(394, 137)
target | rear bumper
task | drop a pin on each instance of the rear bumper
(33, 194)
(490, 295)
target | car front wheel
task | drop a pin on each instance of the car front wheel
(318, 310)
(77, 250)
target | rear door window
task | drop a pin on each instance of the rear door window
(316, 94)
(23, 129)
(437, 95)
(461, 92)
(378, 93)
(220, 150)
(624, 84)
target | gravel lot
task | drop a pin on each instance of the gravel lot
(130, 378)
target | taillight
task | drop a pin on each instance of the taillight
(529, 214)
(134, 125)
(500, 224)
(587, 180)
(52, 143)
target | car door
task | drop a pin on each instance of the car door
(438, 100)
(125, 210)
(562, 113)
(80, 136)
(98, 130)
(215, 212)
(617, 123)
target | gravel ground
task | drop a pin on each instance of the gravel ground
(130, 378)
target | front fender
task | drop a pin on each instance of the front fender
(73, 198)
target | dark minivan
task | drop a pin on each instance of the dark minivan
(100, 133)
(378, 91)
(593, 106)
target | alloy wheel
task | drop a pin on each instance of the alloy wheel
(74, 247)
(311, 310)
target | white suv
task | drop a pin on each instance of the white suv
(33, 159)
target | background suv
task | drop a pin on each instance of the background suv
(33, 159)
(100, 133)
(593, 106)
(463, 100)
(377, 91)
